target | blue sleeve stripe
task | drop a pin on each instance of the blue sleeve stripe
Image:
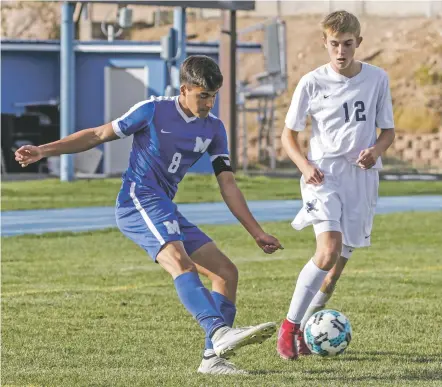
(127, 120)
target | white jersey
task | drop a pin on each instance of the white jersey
(345, 111)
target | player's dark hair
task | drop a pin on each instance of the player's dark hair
(202, 71)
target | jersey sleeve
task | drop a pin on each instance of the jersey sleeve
(219, 146)
(137, 118)
(299, 107)
(384, 107)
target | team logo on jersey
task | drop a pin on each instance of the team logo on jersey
(311, 205)
(201, 145)
(172, 227)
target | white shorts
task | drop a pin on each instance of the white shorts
(347, 197)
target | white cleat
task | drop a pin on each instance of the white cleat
(227, 340)
(215, 365)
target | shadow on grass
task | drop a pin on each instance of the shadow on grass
(409, 376)
(388, 355)
(383, 356)
(362, 356)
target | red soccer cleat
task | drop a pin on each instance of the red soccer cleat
(286, 346)
(302, 346)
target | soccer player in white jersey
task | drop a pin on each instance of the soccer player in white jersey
(169, 136)
(346, 100)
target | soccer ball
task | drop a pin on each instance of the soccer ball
(327, 333)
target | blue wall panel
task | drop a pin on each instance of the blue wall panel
(28, 77)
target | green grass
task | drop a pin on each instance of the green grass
(52, 193)
(91, 309)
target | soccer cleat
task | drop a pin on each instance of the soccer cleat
(228, 340)
(286, 345)
(302, 346)
(214, 365)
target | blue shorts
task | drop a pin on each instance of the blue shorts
(148, 216)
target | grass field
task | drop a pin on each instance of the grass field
(92, 310)
(52, 193)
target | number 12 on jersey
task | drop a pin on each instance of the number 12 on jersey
(360, 108)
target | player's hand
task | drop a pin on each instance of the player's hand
(367, 158)
(28, 154)
(268, 243)
(313, 175)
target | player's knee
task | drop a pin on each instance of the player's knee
(182, 262)
(176, 263)
(231, 272)
(227, 273)
(325, 258)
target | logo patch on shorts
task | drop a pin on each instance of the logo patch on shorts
(311, 206)
(172, 227)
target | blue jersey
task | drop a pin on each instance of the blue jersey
(167, 142)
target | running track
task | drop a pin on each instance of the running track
(95, 218)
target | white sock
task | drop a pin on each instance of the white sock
(309, 282)
(317, 304)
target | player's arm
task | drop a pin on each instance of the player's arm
(290, 143)
(294, 123)
(77, 142)
(136, 119)
(368, 157)
(237, 204)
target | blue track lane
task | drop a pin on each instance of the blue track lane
(96, 218)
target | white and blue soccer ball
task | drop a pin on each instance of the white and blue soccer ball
(327, 333)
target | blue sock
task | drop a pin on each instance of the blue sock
(199, 302)
(227, 309)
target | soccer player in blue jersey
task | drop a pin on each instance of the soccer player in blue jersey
(170, 134)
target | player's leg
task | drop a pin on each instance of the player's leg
(195, 297)
(320, 300)
(223, 274)
(356, 232)
(322, 208)
(150, 219)
(328, 286)
(329, 244)
(356, 229)
(212, 263)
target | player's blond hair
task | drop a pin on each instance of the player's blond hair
(341, 22)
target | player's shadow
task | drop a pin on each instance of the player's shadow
(387, 355)
(380, 356)
(375, 356)
(409, 376)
